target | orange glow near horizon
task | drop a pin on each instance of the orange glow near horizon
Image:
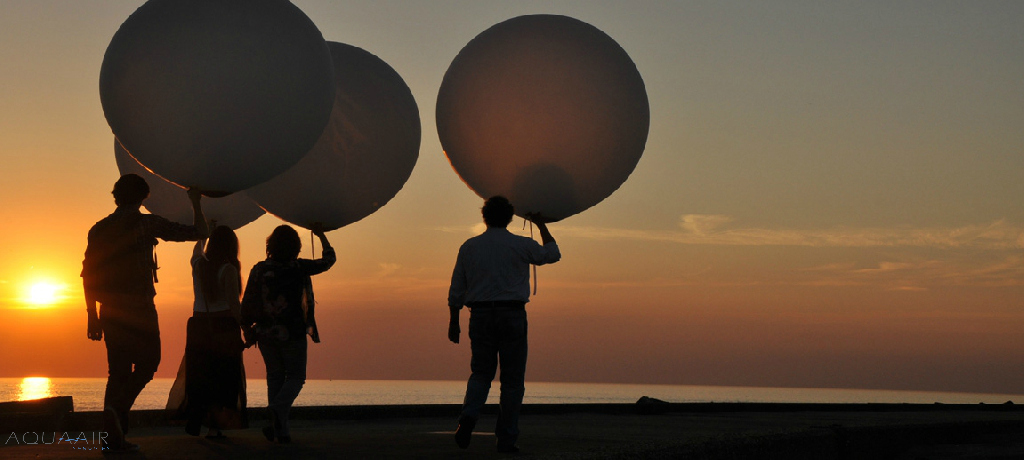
(34, 388)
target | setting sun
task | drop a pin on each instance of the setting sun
(43, 293)
(34, 388)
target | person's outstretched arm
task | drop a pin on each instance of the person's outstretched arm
(547, 252)
(541, 222)
(318, 230)
(197, 252)
(545, 234)
(198, 219)
(326, 261)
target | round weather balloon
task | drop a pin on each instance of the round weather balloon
(220, 95)
(546, 110)
(364, 156)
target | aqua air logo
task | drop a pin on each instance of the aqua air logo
(94, 440)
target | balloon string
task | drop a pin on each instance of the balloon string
(534, 266)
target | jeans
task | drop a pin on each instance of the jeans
(286, 374)
(131, 332)
(498, 337)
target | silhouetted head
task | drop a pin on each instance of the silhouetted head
(283, 244)
(497, 211)
(222, 248)
(130, 190)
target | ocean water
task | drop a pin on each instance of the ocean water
(88, 393)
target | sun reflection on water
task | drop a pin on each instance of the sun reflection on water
(34, 388)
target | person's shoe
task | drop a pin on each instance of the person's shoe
(268, 432)
(464, 432)
(508, 448)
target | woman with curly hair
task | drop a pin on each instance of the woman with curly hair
(279, 303)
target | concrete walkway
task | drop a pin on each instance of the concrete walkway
(704, 431)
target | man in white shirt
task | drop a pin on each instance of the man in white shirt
(492, 278)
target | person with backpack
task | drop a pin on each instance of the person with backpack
(278, 303)
(118, 274)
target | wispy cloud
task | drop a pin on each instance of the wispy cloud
(919, 275)
(475, 229)
(703, 224)
(994, 258)
(712, 229)
(387, 269)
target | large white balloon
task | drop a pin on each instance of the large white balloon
(546, 110)
(221, 95)
(364, 156)
(171, 201)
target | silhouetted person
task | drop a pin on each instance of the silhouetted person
(278, 300)
(492, 278)
(118, 273)
(214, 374)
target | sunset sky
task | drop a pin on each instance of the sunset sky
(830, 197)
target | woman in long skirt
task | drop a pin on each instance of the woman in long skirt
(214, 375)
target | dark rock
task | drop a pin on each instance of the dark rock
(45, 414)
(647, 405)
